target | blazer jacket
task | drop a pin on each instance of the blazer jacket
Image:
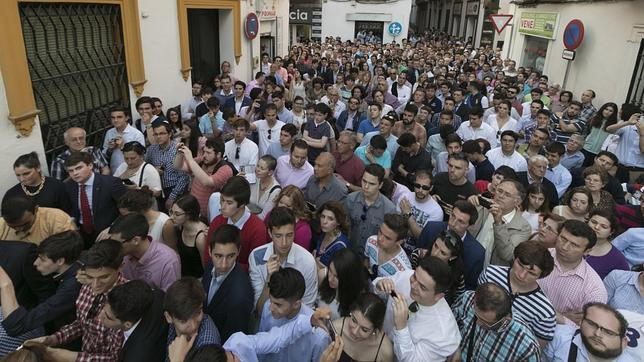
(148, 341)
(551, 190)
(106, 192)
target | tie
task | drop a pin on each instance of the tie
(86, 212)
(96, 306)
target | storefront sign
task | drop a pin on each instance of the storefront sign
(472, 8)
(538, 24)
(300, 16)
(268, 14)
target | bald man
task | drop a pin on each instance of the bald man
(324, 186)
(76, 140)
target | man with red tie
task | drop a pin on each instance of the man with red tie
(94, 196)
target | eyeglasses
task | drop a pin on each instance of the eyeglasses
(424, 187)
(365, 208)
(270, 131)
(606, 332)
(237, 153)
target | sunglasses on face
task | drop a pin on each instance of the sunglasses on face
(424, 187)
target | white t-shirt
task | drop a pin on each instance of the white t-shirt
(429, 210)
(150, 179)
(262, 132)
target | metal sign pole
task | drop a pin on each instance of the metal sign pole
(563, 84)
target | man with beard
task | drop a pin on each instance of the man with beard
(601, 336)
(419, 207)
(210, 174)
(453, 185)
(408, 125)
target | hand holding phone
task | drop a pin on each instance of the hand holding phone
(331, 329)
(485, 202)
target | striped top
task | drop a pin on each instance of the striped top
(532, 307)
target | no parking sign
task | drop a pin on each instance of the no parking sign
(573, 34)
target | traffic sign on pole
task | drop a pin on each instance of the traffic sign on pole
(395, 28)
(251, 26)
(573, 34)
(500, 21)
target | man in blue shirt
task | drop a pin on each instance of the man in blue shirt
(183, 310)
(286, 289)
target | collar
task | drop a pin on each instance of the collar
(149, 254)
(90, 180)
(242, 220)
(69, 273)
(634, 281)
(509, 216)
(224, 276)
(290, 258)
(224, 94)
(129, 332)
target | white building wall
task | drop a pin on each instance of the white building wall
(606, 58)
(335, 23)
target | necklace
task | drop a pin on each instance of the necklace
(28, 193)
(263, 188)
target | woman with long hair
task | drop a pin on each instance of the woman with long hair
(174, 118)
(448, 247)
(315, 92)
(141, 201)
(577, 204)
(292, 198)
(46, 191)
(298, 85)
(604, 257)
(502, 120)
(361, 331)
(596, 131)
(378, 96)
(191, 235)
(535, 204)
(192, 138)
(334, 224)
(345, 279)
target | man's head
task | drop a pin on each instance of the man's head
(606, 160)
(213, 104)
(509, 195)
(213, 151)
(287, 134)
(492, 306)
(19, 212)
(539, 137)
(532, 261)
(101, 264)
(235, 195)
(374, 110)
(476, 117)
(457, 167)
(392, 232)
(278, 100)
(75, 138)
(196, 88)
(144, 106)
(346, 142)
(239, 88)
(430, 281)
(119, 117)
(57, 252)
(453, 143)
(575, 239)
(537, 166)
(409, 113)
(270, 113)
(408, 143)
(225, 83)
(422, 185)
(79, 166)
(324, 166)
(554, 151)
(285, 289)
(587, 96)
(603, 331)
(549, 230)
(575, 142)
(377, 145)
(463, 215)
(224, 248)
(183, 306)
(126, 305)
(281, 228)
(240, 129)
(386, 124)
(372, 179)
(574, 109)
(299, 153)
(509, 139)
(131, 230)
(536, 94)
(162, 132)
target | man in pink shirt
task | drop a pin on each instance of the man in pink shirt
(294, 169)
(573, 282)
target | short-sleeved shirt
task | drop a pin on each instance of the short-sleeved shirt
(263, 134)
(449, 192)
(317, 131)
(398, 263)
(384, 160)
(366, 126)
(350, 169)
(366, 220)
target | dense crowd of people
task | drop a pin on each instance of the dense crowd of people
(415, 201)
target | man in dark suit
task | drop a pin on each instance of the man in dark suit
(331, 73)
(351, 113)
(227, 285)
(463, 215)
(537, 166)
(461, 108)
(243, 100)
(137, 310)
(94, 205)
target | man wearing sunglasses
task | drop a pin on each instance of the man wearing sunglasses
(602, 336)
(489, 331)
(418, 207)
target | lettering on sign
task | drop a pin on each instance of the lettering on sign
(527, 23)
(267, 14)
(297, 15)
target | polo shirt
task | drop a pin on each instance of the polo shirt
(367, 126)
(411, 163)
(350, 169)
(392, 141)
(317, 131)
(373, 215)
(384, 160)
(334, 190)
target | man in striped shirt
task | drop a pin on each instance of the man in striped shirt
(532, 261)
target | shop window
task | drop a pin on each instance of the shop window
(534, 52)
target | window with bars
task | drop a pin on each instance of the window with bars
(77, 66)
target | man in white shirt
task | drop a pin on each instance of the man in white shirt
(281, 253)
(556, 173)
(506, 155)
(418, 207)
(475, 128)
(189, 106)
(268, 129)
(118, 136)
(418, 320)
(401, 90)
(242, 152)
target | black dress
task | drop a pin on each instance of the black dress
(191, 265)
(53, 194)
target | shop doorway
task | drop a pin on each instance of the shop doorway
(203, 34)
(534, 52)
(370, 31)
(267, 45)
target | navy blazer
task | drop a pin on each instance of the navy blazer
(106, 192)
(231, 103)
(473, 253)
(149, 339)
(550, 188)
(232, 304)
(341, 123)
